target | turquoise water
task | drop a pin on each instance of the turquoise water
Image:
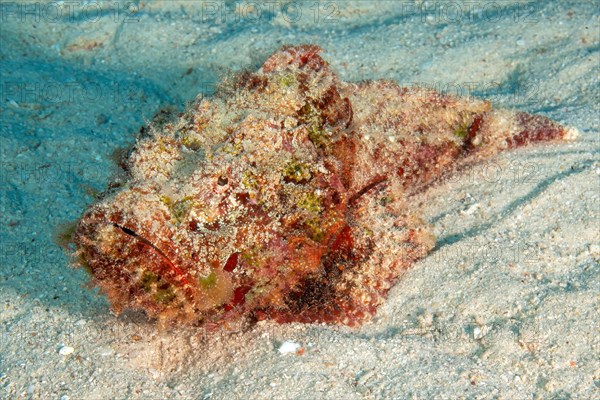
(78, 80)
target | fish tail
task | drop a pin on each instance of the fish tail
(497, 130)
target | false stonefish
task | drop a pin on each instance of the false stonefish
(283, 196)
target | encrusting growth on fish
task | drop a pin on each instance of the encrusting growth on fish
(283, 196)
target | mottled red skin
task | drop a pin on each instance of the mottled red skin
(299, 213)
(536, 128)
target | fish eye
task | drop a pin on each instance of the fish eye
(222, 181)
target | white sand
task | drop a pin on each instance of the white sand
(506, 307)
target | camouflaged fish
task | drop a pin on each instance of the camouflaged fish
(283, 196)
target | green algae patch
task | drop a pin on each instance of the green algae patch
(209, 281)
(297, 172)
(164, 295)
(310, 202)
(148, 280)
(179, 209)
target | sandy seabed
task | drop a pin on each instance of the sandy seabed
(507, 306)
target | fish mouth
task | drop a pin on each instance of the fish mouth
(136, 269)
(130, 266)
(174, 270)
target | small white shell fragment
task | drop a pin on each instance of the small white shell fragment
(289, 347)
(105, 351)
(66, 350)
(471, 210)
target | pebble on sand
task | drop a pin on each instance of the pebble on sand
(289, 347)
(66, 350)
